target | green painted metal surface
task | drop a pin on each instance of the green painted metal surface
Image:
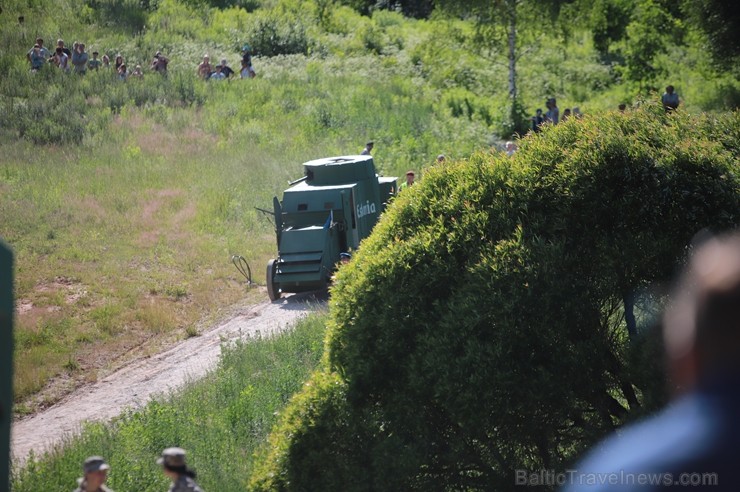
(333, 207)
(6, 362)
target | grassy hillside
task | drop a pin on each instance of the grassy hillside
(124, 201)
(125, 223)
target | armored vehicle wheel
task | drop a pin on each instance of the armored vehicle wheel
(273, 290)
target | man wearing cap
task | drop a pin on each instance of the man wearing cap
(174, 466)
(409, 181)
(368, 148)
(344, 258)
(95, 471)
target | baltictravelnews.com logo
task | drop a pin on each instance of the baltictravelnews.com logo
(529, 478)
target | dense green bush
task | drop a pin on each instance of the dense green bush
(480, 329)
(128, 15)
(274, 33)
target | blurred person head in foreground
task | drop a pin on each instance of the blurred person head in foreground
(694, 440)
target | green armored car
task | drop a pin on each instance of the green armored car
(328, 211)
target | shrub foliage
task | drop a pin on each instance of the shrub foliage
(481, 330)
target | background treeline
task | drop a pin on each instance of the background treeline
(594, 55)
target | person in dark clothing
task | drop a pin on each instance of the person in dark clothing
(159, 63)
(537, 120)
(226, 69)
(670, 99)
(65, 50)
(247, 61)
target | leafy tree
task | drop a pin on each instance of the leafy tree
(720, 21)
(480, 329)
(647, 35)
(131, 15)
(608, 22)
(419, 9)
(634, 33)
(502, 22)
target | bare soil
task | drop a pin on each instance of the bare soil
(143, 379)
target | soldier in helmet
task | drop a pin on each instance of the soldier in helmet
(173, 465)
(95, 471)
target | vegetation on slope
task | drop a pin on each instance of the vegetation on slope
(219, 420)
(506, 345)
(124, 229)
(125, 201)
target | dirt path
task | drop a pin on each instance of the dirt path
(138, 382)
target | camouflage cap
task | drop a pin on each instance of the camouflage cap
(172, 457)
(94, 463)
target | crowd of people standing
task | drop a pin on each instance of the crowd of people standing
(552, 115)
(206, 71)
(79, 61)
(669, 99)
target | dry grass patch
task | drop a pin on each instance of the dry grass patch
(157, 315)
(154, 204)
(155, 140)
(88, 209)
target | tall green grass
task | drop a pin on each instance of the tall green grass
(124, 201)
(141, 217)
(119, 242)
(220, 420)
